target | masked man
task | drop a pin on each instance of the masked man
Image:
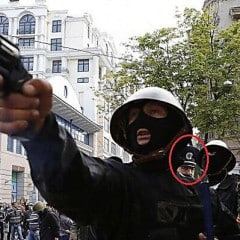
(140, 200)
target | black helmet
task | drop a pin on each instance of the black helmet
(221, 160)
(118, 122)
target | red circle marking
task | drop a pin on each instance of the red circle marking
(199, 179)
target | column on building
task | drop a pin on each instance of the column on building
(41, 63)
(14, 27)
(64, 65)
(103, 71)
(41, 32)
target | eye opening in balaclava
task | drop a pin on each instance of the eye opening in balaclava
(162, 131)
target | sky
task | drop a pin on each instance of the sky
(123, 19)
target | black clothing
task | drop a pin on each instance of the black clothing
(120, 201)
(49, 225)
(228, 193)
(2, 219)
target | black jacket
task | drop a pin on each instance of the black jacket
(120, 201)
(49, 225)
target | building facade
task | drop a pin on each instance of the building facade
(72, 55)
(226, 11)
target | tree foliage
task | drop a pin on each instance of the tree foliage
(196, 61)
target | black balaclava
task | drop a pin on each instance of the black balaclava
(162, 131)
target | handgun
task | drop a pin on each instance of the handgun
(11, 67)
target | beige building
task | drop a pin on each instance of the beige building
(226, 11)
(15, 179)
(73, 55)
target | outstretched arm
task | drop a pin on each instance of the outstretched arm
(67, 178)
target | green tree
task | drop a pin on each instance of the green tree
(195, 61)
(215, 58)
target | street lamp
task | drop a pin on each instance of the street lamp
(228, 86)
(228, 83)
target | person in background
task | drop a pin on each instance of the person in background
(65, 226)
(228, 192)
(2, 220)
(75, 232)
(49, 222)
(7, 210)
(225, 185)
(15, 217)
(238, 202)
(33, 224)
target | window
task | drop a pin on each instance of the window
(4, 23)
(18, 147)
(65, 91)
(83, 65)
(113, 149)
(27, 63)
(26, 42)
(56, 44)
(14, 186)
(76, 132)
(10, 144)
(235, 13)
(83, 80)
(27, 24)
(118, 150)
(125, 157)
(106, 124)
(106, 107)
(56, 66)
(106, 145)
(56, 25)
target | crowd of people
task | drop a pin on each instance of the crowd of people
(28, 221)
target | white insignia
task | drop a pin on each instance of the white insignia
(189, 156)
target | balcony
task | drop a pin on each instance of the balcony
(26, 47)
(235, 13)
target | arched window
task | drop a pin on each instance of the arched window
(27, 24)
(65, 91)
(4, 24)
